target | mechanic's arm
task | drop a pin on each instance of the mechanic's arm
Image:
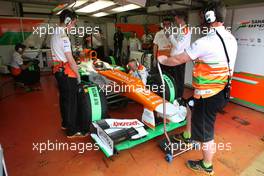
(25, 66)
(155, 51)
(175, 60)
(19, 61)
(198, 49)
(68, 54)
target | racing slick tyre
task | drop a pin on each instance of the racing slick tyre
(95, 104)
(170, 87)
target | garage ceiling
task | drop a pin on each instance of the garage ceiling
(45, 6)
(149, 2)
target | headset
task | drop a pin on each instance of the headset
(69, 14)
(67, 20)
(19, 47)
(210, 14)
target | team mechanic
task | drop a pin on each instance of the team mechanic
(180, 41)
(66, 74)
(214, 56)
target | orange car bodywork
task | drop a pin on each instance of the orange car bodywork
(134, 88)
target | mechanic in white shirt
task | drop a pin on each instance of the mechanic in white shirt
(180, 39)
(24, 70)
(17, 60)
(212, 74)
(162, 45)
(134, 42)
(66, 74)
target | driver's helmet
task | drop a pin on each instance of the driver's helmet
(99, 65)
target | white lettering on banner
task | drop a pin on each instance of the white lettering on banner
(117, 124)
(124, 123)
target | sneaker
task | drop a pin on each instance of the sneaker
(85, 134)
(198, 166)
(63, 128)
(75, 135)
(78, 135)
(28, 89)
(180, 138)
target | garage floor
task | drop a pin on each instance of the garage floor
(28, 118)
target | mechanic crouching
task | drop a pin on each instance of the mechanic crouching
(25, 70)
(67, 75)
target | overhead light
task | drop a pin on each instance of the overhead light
(100, 14)
(93, 7)
(78, 3)
(126, 8)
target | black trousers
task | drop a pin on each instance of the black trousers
(28, 77)
(178, 73)
(118, 50)
(100, 53)
(68, 90)
(204, 116)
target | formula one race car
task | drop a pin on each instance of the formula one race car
(114, 135)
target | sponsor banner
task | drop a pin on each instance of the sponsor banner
(124, 123)
(248, 28)
(16, 30)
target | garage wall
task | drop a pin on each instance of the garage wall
(12, 33)
(143, 19)
(110, 30)
(7, 8)
(250, 36)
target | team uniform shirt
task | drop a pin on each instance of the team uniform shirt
(164, 45)
(60, 44)
(210, 71)
(180, 41)
(17, 60)
(15, 64)
(134, 44)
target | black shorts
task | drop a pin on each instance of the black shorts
(204, 115)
